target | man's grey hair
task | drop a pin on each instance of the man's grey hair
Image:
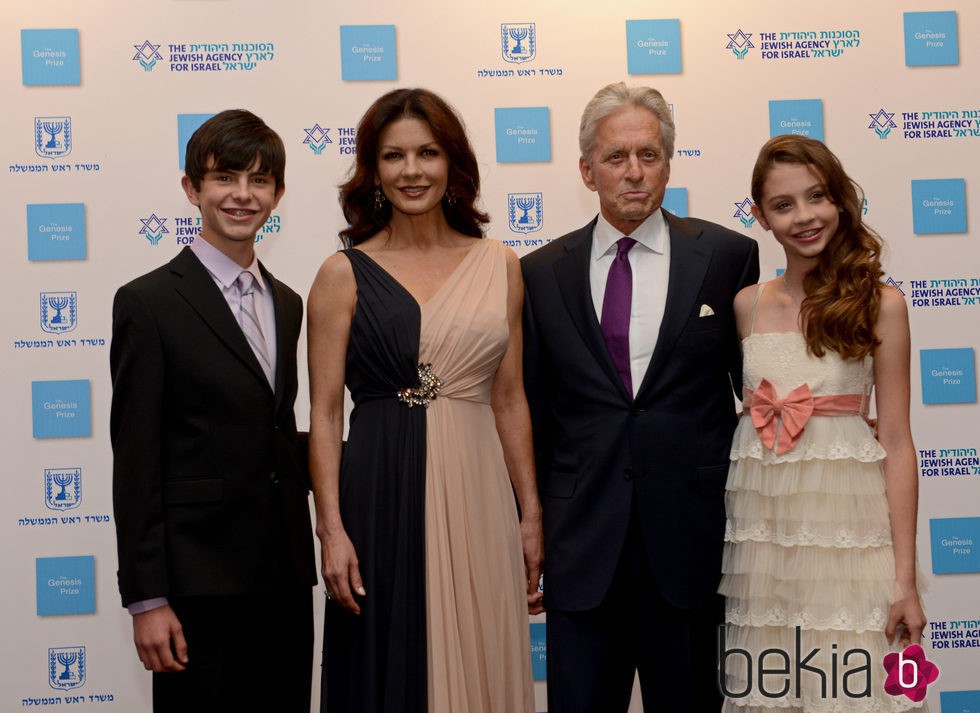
(614, 97)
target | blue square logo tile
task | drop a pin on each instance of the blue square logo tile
(539, 652)
(939, 206)
(675, 201)
(955, 544)
(49, 57)
(931, 39)
(948, 376)
(56, 231)
(368, 52)
(62, 409)
(65, 585)
(959, 701)
(187, 124)
(653, 46)
(803, 117)
(523, 134)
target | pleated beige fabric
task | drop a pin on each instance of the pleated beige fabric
(478, 643)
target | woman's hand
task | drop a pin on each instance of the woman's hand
(341, 573)
(906, 619)
(533, 541)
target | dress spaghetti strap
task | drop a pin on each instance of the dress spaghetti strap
(755, 306)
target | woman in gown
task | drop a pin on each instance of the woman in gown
(430, 573)
(820, 540)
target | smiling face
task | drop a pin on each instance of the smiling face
(413, 170)
(628, 167)
(234, 206)
(797, 208)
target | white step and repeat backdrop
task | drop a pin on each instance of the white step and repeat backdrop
(99, 97)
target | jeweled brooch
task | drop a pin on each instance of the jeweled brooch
(426, 391)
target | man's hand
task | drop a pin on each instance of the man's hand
(159, 640)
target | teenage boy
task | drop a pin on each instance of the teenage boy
(209, 478)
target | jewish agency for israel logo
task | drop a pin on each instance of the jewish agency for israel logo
(517, 41)
(62, 488)
(59, 311)
(147, 54)
(317, 139)
(52, 136)
(740, 43)
(743, 211)
(154, 228)
(525, 212)
(882, 123)
(66, 667)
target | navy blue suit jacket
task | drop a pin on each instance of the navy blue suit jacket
(668, 449)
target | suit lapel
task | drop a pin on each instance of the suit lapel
(197, 287)
(572, 275)
(689, 260)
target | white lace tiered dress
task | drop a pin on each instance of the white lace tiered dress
(808, 545)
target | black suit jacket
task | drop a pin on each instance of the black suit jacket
(210, 482)
(668, 449)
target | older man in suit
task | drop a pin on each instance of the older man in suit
(631, 358)
(209, 480)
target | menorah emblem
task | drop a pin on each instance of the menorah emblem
(60, 663)
(62, 480)
(52, 129)
(524, 212)
(522, 35)
(518, 35)
(67, 660)
(57, 129)
(525, 204)
(58, 302)
(62, 488)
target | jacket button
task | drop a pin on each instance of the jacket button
(628, 473)
(274, 477)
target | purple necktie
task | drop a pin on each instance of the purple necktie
(616, 304)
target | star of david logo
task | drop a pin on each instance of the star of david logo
(154, 225)
(317, 135)
(897, 284)
(882, 119)
(744, 208)
(739, 39)
(147, 51)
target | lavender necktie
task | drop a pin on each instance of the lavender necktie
(250, 324)
(616, 303)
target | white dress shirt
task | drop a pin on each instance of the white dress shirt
(650, 263)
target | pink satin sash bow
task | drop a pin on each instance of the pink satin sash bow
(780, 421)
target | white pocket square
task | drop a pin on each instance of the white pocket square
(706, 311)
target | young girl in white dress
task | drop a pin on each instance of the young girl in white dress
(820, 540)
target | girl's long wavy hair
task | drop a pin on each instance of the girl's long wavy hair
(357, 194)
(840, 309)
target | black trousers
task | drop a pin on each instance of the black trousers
(594, 655)
(248, 653)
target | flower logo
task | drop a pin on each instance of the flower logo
(909, 673)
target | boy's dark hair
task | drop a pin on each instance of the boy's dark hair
(233, 138)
